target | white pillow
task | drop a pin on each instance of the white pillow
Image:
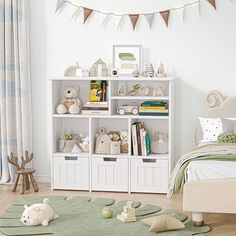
(213, 127)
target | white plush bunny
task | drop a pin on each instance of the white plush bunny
(39, 213)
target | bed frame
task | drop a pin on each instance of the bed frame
(213, 196)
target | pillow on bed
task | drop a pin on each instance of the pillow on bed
(213, 127)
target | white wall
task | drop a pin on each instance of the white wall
(201, 52)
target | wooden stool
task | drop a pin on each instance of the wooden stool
(26, 174)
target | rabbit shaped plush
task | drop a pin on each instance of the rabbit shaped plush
(38, 214)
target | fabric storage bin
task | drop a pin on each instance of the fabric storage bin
(149, 175)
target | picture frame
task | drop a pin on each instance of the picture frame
(125, 57)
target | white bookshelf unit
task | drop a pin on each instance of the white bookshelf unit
(99, 172)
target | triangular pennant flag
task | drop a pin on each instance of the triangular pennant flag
(213, 3)
(106, 20)
(150, 18)
(119, 20)
(59, 4)
(165, 15)
(74, 11)
(87, 13)
(133, 19)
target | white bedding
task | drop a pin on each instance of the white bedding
(206, 170)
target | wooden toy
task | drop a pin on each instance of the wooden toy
(128, 214)
(124, 109)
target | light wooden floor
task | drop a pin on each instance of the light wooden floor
(222, 224)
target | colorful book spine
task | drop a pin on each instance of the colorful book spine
(134, 139)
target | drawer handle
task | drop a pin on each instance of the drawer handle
(71, 158)
(109, 159)
(149, 160)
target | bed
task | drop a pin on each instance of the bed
(208, 181)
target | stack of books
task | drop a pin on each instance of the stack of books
(140, 139)
(154, 108)
(93, 108)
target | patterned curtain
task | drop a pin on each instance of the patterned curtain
(15, 90)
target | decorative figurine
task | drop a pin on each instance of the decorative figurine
(128, 214)
(136, 71)
(159, 92)
(122, 89)
(151, 71)
(161, 71)
(144, 91)
(124, 141)
(134, 89)
(103, 141)
(145, 70)
(115, 147)
(159, 143)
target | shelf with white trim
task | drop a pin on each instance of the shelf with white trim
(107, 172)
(121, 78)
(163, 98)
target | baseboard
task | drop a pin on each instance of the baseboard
(43, 178)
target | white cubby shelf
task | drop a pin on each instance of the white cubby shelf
(106, 172)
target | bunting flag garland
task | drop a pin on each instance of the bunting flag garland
(213, 3)
(165, 15)
(87, 13)
(134, 18)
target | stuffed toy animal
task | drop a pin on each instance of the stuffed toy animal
(124, 141)
(70, 103)
(114, 136)
(115, 147)
(38, 214)
(103, 141)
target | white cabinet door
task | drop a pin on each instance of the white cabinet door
(149, 175)
(71, 173)
(110, 174)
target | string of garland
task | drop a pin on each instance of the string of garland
(134, 16)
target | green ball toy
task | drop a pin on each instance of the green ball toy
(107, 212)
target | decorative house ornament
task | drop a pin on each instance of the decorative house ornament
(98, 69)
(134, 18)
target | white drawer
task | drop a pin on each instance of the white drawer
(110, 174)
(71, 173)
(149, 175)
